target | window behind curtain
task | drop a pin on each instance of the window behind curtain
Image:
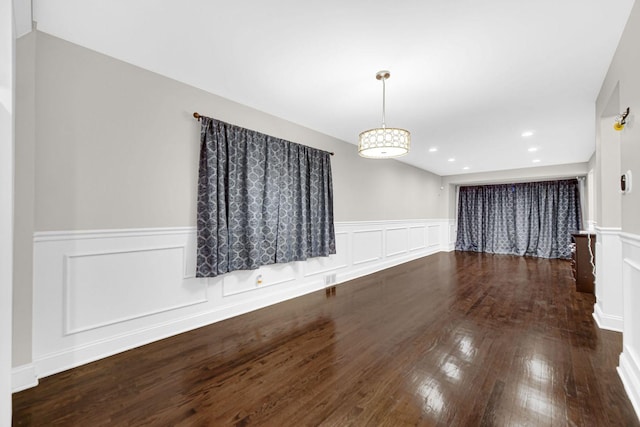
(534, 219)
(261, 200)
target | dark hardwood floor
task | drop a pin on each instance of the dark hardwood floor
(453, 339)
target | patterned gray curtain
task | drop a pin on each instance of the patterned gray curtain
(535, 218)
(261, 200)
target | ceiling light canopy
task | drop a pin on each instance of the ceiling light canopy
(384, 142)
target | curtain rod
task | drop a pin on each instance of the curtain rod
(197, 116)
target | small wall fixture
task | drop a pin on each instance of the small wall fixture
(384, 142)
(621, 120)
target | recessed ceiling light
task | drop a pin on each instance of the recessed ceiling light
(527, 133)
(451, 159)
(466, 168)
(536, 160)
(533, 149)
(433, 149)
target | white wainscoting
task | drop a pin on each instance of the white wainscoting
(629, 368)
(452, 236)
(608, 309)
(97, 293)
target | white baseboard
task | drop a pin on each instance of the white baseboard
(608, 322)
(629, 371)
(23, 377)
(76, 272)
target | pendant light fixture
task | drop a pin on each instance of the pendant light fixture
(384, 142)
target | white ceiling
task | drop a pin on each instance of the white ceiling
(467, 76)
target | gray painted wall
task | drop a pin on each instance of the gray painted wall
(107, 145)
(117, 147)
(24, 198)
(621, 89)
(609, 208)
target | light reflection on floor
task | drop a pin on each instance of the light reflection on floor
(467, 348)
(434, 402)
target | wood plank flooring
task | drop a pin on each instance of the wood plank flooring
(453, 339)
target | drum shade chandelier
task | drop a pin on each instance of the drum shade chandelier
(384, 142)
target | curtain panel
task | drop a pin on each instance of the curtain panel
(534, 219)
(261, 200)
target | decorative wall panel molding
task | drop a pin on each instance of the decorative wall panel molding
(433, 236)
(95, 282)
(397, 241)
(97, 293)
(608, 309)
(249, 280)
(367, 246)
(629, 367)
(339, 260)
(453, 235)
(417, 238)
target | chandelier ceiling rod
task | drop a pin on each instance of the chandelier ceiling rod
(383, 77)
(383, 142)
